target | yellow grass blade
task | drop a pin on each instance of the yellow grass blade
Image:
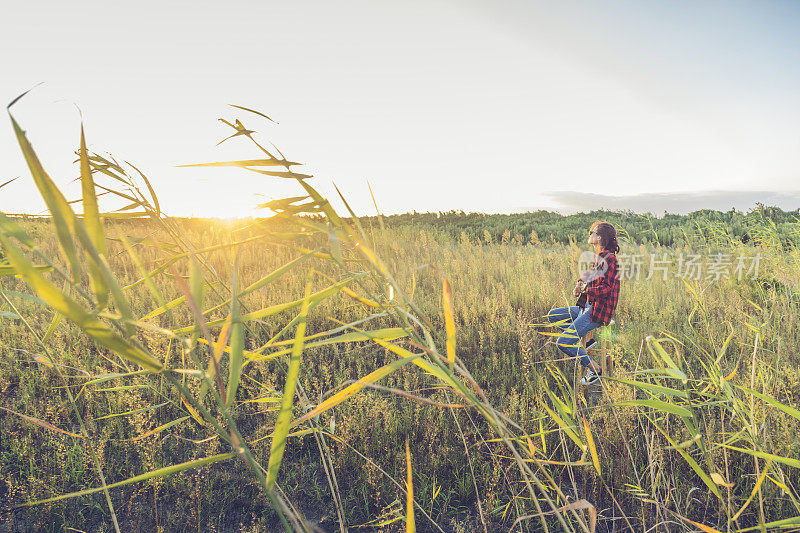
(133, 412)
(92, 326)
(420, 362)
(160, 428)
(353, 389)
(565, 428)
(285, 415)
(411, 526)
(449, 321)
(541, 434)
(173, 304)
(757, 486)
(266, 280)
(689, 459)
(275, 309)
(94, 226)
(531, 449)
(161, 472)
(592, 447)
(52, 327)
(192, 411)
(372, 258)
(359, 299)
(41, 423)
(354, 336)
(733, 373)
(6, 270)
(701, 527)
(216, 357)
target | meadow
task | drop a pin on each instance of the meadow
(310, 371)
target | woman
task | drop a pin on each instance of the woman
(601, 288)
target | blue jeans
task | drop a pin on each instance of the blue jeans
(577, 324)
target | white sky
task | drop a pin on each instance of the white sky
(479, 106)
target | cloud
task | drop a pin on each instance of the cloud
(674, 202)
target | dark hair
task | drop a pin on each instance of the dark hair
(607, 234)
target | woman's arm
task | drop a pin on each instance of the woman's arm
(601, 287)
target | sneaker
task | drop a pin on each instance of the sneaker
(591, 378)
(590, 343)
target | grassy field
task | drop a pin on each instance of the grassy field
(294, 404)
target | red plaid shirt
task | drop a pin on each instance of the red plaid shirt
(603, 287)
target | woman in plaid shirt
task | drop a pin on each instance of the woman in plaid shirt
(600, 286)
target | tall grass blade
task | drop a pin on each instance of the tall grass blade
(449, 322)
(160, 428)
(245, 163)
(757, 486)
(275, 309)
(285, 415)
(592, 447)
(786, 523)
(94, 226)
(791, 411)
(6, 270)
(41, 423)
(769, 456)
(96, 329)
(660, 406)
(237, 338)
(411, 526)
(690, 460)
(259, 113)
(63, 217)
(353, 389)
(266, 280)
(702, 527)
(161, 472)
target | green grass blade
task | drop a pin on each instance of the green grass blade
(172, 304)
(266, 280)
(90, 324)
(690, 460)
(6, 270)
(132, 412)
(161, 472)
(63, 217)
(94, 226)
(791, 411)
(275, 309)
(237, 339)
(660, 406)
(786, 523)
(770, 456)
(653, 388)
(285, 415)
